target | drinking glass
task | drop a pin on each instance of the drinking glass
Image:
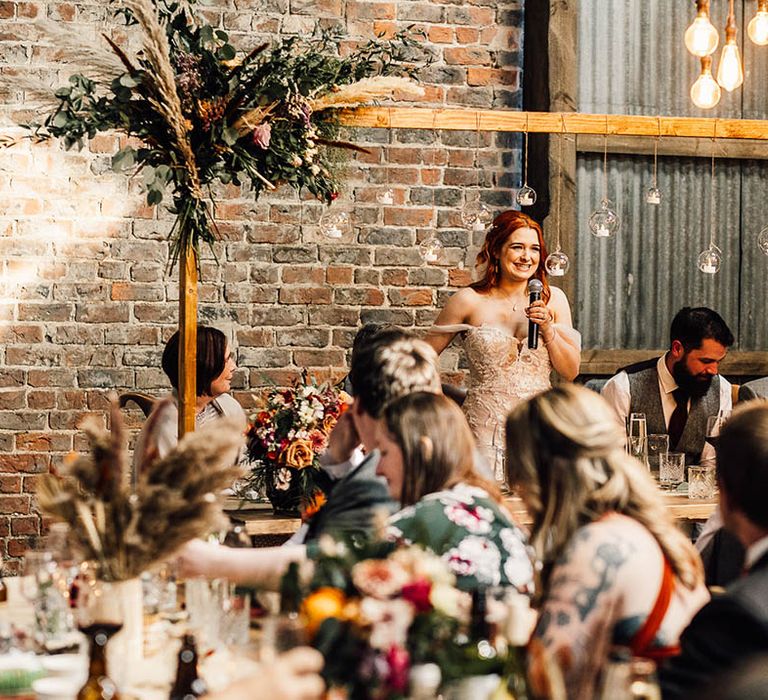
(715, 423)
(701, 482)
(658, 444)
(671, 469)
(281, 633)
(45, 587)
(637, 437)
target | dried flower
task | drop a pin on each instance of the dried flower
(262, 135)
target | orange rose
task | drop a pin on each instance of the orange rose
(298, 454)
(328, 423)
(323, 603)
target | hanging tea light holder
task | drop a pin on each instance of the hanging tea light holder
(711, 258)
(653, 193)
(387, 195)
(526, 195)
(557, 262)
(604, 222)
(474, 214)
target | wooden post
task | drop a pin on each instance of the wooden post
(187, 342)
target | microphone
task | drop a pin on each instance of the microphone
(535, 287)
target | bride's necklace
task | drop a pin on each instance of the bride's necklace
(516, 300)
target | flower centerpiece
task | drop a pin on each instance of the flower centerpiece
(285, 438)
(200, 112)
(376, 611)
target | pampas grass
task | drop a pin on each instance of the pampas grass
(366, 90)
(126, 531)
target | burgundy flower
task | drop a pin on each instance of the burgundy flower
(417, 593)
(399, 664)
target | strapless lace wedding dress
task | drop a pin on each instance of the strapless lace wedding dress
(503, 371)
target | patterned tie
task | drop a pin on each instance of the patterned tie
(678, 418)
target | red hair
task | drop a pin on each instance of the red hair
(504, 225)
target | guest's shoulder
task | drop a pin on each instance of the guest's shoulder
(230, 406)
(615, 538)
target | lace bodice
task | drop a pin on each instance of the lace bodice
(502, 373)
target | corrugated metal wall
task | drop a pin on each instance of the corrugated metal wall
(632, 60)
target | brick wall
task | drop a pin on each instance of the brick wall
(85, 302)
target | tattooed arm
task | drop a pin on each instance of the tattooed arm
(581, 603)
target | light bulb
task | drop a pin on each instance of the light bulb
(604, 221)
(758, 28)
(430, 249)
(730, 73)
(762, 241)
(557, 264)
(701, 37)
(475, 215)
(653, 195)
(526, 196)
(709, 260)
(705, 92)
(334, 224)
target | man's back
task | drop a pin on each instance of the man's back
(724, 633)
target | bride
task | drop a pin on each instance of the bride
(492, 317)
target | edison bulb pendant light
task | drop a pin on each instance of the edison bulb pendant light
(730, 73)
(758, 25)
(701, 37)
(705, 92)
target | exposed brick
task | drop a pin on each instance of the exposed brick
(319, 358)
(303, 275)
(26, 525)
(14, 504)
(459, 278)
(305, 295)
(410, 297)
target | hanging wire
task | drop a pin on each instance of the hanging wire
(560, 183)
(477, 152)
(712, 192)
(656, 153)
(525, 163)
(605, 160)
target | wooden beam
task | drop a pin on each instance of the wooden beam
(606, 362)
(553, 122)
(187, 342)
(679, 147)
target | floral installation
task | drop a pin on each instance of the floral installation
(285, 438)
(375, 610)
(201, 112)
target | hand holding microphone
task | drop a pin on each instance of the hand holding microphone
(537, 312)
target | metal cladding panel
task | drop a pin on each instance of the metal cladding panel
(633, 61)
(630, 286)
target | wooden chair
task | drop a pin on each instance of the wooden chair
(144, 401)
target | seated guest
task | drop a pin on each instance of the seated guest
(616, 568)
(215, 367)
(391, 364)
(756, 389)
(733, 626)
(678, 391)
(427, 457)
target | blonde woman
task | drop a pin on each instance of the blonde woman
(616, 568)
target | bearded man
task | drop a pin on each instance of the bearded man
(678, 391)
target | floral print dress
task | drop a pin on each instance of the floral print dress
(472, 533)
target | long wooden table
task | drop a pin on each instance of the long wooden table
(261, 522)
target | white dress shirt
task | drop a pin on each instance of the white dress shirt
(755, 552)
(616, 392)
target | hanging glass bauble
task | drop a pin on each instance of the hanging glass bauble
(709, 260)
(762, 241)
(430, 249)
(526, 196)
(653, 195)
(604, 221)
(557, 264)
(475, 215)
(334, 224)
(386, 196)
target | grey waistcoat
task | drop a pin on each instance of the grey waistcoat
(645, 397)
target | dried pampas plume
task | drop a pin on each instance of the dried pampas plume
(167, 101)
(367, 90)
(126, 531)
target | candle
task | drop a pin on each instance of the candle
(525, 199)
(653, 197)
(708, 268)
(333, 231)
(556, 271)
(478, 225)
(430, 256)
(602, 231)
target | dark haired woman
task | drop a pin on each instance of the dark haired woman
(493, 314)
(447, 506)
(215, 367)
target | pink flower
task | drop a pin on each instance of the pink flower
(399, 664)
(379, 578)
(417, 593)
(262, 135)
